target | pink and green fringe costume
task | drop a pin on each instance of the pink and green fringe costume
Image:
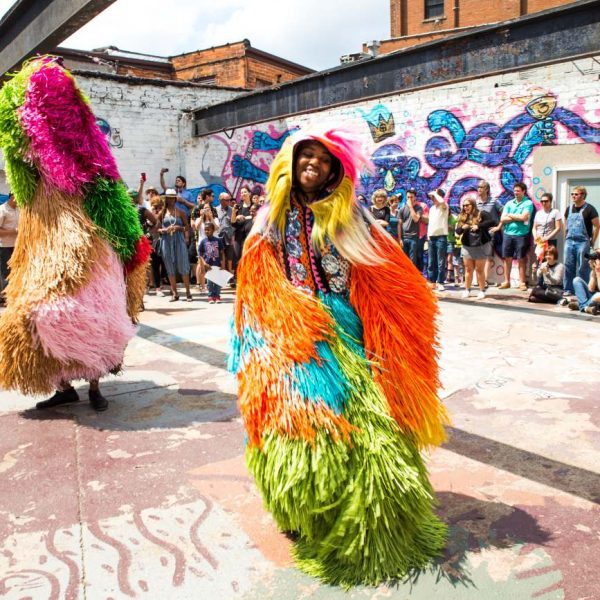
(78, 270)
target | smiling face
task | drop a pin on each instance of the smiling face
(379, 199)
(312, 167)
(468, 205)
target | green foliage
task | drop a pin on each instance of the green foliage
(108, 204)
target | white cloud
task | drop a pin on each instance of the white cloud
(314, 33)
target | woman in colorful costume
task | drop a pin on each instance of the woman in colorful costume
(333, 346)
(79, 265)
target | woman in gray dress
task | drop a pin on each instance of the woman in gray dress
(174, 239)
(473, 227)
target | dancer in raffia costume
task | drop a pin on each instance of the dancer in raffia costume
(79, 264)
(333, 346)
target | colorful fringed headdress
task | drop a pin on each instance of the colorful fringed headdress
(338, 216)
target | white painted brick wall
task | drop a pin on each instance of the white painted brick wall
(150, 124)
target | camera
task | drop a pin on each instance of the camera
(592, 256)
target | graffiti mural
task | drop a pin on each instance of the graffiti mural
(247, 155)
(503, 148)
(450, 147)
(380, 121)
(113, 135)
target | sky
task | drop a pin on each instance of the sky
(313, 33)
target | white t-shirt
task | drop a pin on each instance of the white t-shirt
(200, 231)
(438, 220)
(544, 223)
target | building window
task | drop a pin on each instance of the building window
(434, 8)
(207, 80)
(261, 83)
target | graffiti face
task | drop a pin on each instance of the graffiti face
(250, 154)
(394, 171)
(113, 136)
(542, 107)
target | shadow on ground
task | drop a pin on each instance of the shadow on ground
(143, 405)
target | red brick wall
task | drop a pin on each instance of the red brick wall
(470, 13)
(147, 72)
(537, 5)
(266, 72)
(225, 63)
(227, 72)
(232, 67)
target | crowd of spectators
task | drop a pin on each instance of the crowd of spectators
(191, 234)
(459, 247)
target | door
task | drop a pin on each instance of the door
(570, 177)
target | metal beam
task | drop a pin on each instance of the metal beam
(38, 26)
(557, 34)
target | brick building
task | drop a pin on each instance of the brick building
(417, 21)
(234, 65)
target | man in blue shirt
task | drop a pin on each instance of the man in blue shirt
(185, 199)
(516, 221)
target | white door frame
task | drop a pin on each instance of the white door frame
(559, 184)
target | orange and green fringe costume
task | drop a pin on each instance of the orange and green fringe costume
(338, 393)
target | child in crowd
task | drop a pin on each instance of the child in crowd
(212, 252)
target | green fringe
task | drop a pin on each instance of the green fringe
(22, 176)
(364, 512)
(108, 204)
(23, 179)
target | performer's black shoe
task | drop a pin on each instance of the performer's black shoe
(67, 396)
(97, 401)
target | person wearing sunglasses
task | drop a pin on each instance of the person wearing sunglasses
(547, 223)
(582, 225)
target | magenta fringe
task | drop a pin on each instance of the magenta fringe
(66, 145)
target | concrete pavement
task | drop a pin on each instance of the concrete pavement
(151, 499)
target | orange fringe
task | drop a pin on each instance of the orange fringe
(266, 406)
(291, 321)
(398, 312)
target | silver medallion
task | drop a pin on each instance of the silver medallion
(337, 284)
(299, 271)
(330, 264)
(294, 248)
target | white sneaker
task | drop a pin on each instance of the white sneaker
(440, 287)
(465, 294)
(481, 296)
